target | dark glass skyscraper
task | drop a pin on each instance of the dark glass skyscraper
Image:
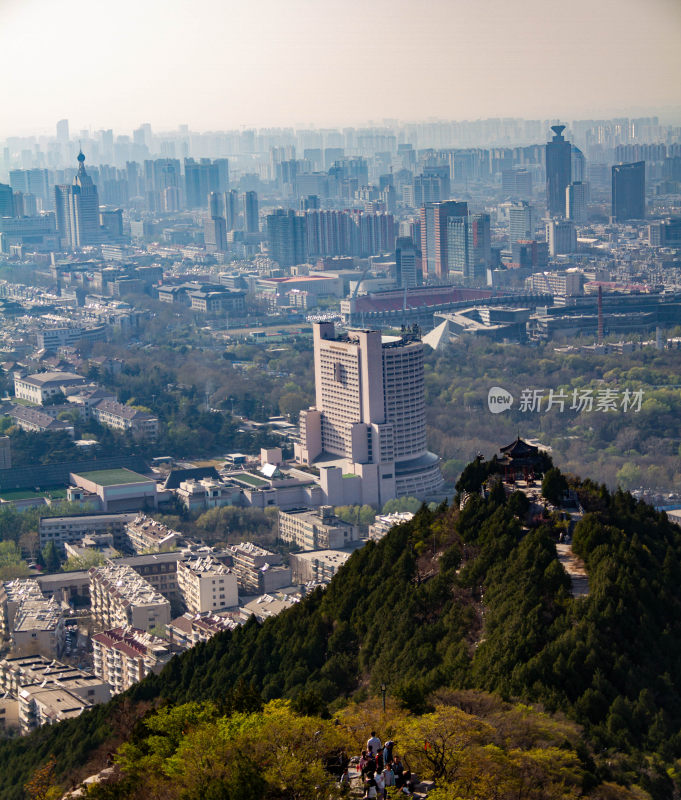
(558, 171)
(629, 191)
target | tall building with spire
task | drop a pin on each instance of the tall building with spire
(77, 210)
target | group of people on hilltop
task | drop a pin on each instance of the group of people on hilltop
(382, 771)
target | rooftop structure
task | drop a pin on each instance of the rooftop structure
(118, 489)
(385, 522)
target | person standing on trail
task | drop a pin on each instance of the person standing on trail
(374, 743)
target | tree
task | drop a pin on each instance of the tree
(41, 786)
(51, 557)
(554, 486)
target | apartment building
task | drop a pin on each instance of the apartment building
(190, 629)
(35, 421)
(124, 656)
(12, 595)
(145, 534)
(121, 598)
(258, 570)
(317, 566)
(47, 691)
(316, 529)
(123, 418)
(206, 584)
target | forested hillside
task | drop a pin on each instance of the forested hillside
(469, 599)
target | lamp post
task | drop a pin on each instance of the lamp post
(383, 687)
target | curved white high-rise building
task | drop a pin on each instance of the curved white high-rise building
(367, 431)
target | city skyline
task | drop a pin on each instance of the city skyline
(219, 66)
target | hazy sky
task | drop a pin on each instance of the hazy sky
(218, 64)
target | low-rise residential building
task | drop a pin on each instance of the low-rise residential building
(120, 417)
(36, 421)
(318, 566)
(43, 385)
(147, 535)
(316, 529)
(206, 584)
(123, 656)
(47, 691)
(121, 598)
(190, 629)
(258, 570)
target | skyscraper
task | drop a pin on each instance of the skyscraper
(629, 191)
(63, 131)
(366, 432)
(407, 266)
(200, 179)
(215, 234)
(469, 251)
(575, 202)
(434, 250)
(77, 209)
(520, 222)
(6, 201)
(250, 212)
(286, 235)
(558, 171)
(232, 209)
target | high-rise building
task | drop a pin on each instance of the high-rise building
(469, 251)
(558, 171)
(251, 212)
(77, 209)
(215, 234)
(232, 210)
(286, 235)
(517, 183)
(407, 263)
(367, 432)
(561, 236)
(434, 249)
(200, 179)
(216, 204)
(6, 201)
(629, 191)
(63, 131)
(520, 222)
(575, 202)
